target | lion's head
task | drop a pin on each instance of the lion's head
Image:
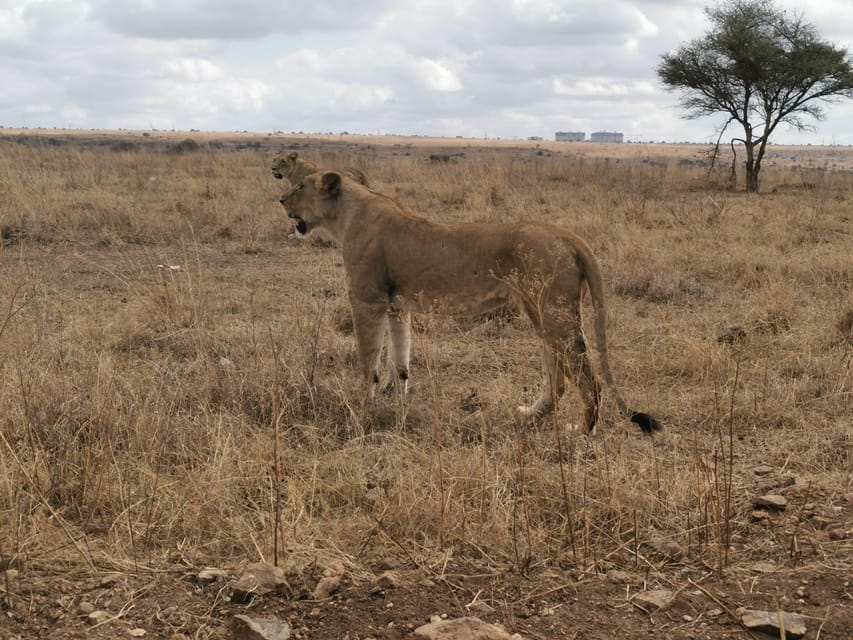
(309, 201)
(288, 164)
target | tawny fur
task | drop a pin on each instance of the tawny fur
(397, 263)
(288, 165)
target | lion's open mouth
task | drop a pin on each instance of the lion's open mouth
(301, 228)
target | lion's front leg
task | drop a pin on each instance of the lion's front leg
(399, 348)
(370, 322)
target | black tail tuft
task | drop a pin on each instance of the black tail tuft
(647, 423)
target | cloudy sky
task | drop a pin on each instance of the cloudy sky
(475, 68)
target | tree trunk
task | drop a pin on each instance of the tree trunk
(752, 169)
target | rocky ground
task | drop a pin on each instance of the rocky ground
(391, 598)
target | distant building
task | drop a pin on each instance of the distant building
(570, 136)
(606, 136)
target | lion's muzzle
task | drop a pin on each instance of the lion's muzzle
(301, 228)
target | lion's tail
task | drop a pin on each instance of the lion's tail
(592, 274)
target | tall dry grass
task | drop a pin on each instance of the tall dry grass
(209, 414)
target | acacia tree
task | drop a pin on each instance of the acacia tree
(760, 66)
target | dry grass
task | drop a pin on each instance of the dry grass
(151, 416)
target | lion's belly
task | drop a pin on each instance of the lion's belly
(456, 296)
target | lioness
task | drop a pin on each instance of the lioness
(397, 262)
(289, 165)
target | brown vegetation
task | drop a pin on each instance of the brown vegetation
(178, 387)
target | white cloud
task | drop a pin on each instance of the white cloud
(604, 87)
(224, 19)
(517, 67)
(438, 77)
(193, 70)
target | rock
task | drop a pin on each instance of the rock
(461, 629)
(669, 549)
(97, 617)
(136, 633)
(621, 577)
(654, 599)
(481, 608)
(762, 470)
(771, 501)
(260, 579)
(212, 574)
(85, 608)
(326, 587)
(773, 622)
(387, 580)
(335, 568)
(763, 567)
(246, 628)
(109, 580)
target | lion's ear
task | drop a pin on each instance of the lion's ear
(330, 183)
(293, 155)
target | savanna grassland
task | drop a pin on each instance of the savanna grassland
(178, 390)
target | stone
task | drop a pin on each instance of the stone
(335, 568)
(621, 577)
(480, 608)
(245, 628)
(85, 608)
(771, 501)
(759, 515)
(212, 574)
(773, 622)
(97, 617)
(387, 580)
(654, 600)
(762, 470)
(259, 579)
(461, 629)
(326, 587)
(136, 633)
(669, 549)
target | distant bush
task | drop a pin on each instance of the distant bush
(126, 146)
(187, 145)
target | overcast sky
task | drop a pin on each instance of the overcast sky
(474, 68)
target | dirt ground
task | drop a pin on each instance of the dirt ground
(545, 604)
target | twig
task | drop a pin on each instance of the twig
(724, 607)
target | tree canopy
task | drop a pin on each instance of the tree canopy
(761, 66)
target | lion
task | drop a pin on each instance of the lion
(289, 165)
(397, 263)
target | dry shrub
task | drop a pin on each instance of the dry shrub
(144, 409)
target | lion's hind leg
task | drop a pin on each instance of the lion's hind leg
(579, 368)
(554, 367)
